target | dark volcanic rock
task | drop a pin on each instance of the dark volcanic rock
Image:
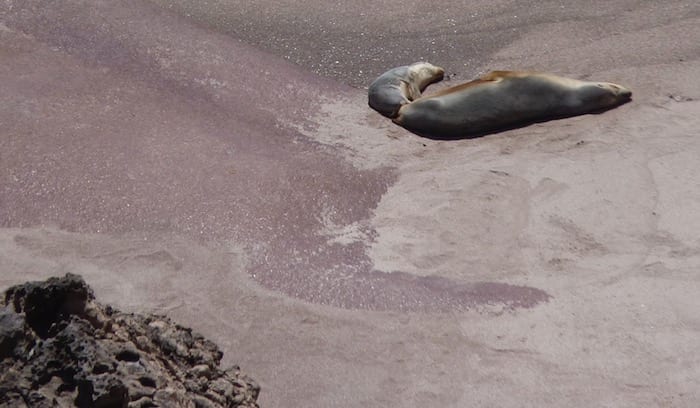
(58, 347)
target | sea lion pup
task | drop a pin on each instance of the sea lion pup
(506, 99)
(402, 85)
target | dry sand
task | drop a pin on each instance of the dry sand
(167, 152)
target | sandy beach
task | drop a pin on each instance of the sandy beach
(216, 161)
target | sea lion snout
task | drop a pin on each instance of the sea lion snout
(624, 93)
(439, 72)
(614, 94)
(440, 75)
(618, 90)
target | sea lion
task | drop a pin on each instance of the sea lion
(506, 99)
(402, 85)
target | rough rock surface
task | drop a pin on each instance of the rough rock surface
(59, 347)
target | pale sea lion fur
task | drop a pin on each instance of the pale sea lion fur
(504, 99)
(401, 85)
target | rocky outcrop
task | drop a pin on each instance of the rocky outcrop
(59, 347)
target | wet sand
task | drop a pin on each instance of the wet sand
(184, 164)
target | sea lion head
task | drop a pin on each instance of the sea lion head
(420, 75)
(602, 95)
(401, 85)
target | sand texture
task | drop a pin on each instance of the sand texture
(216, 161)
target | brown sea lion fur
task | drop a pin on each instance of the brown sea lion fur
(503, 99)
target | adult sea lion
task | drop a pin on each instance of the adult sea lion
(402, 85)
(504, 99)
